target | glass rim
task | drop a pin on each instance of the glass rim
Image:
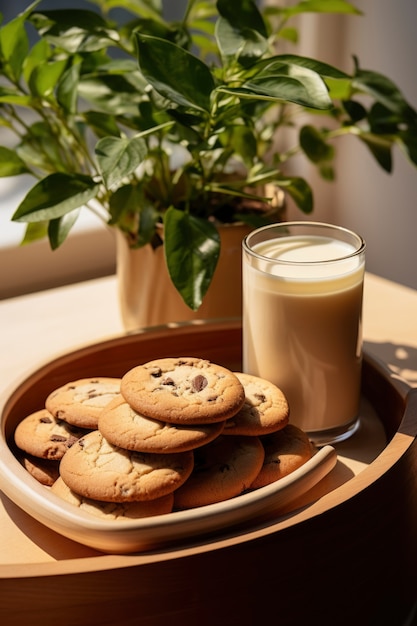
(359, 250)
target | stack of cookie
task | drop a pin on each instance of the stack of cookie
(171, 434)
(69, 413)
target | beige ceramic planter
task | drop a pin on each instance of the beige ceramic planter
(148, 298)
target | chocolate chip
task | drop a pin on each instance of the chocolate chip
(45, 420)
(168, 381)
(157, 373)
(199, 382)
(57, 438)
(260, 397)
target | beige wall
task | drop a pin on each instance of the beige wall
(88, 253)
(381, 207)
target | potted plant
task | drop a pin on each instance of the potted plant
(169, 129)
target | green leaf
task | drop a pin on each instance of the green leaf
(289, 34)
(192, 248)
(119, 157)
(14, 46)
(75, 30)
(247, 46)
(175, 73)
(327, 172)
(111, 94)
(60, 227)
(339, 89)
(101, 123)
(355, 110)
(12, 96)
(147, 224)
(39, 53)
(125, 200)
(10, 163)
(40, 148)
(382, 121)
(45, 76)
(67, 88)
(384, 91)
(380, 148)
(34, 231)
(243, 15)
(300, 191)
(54, 196)
(293, 84)
(142, 8)
(314, 145)
(241, 31)
(243, 142)
(323, 6)
(407, 141)
(186, 122)
(298, 84)
(324, 69)
(131, 212)
(288, 78)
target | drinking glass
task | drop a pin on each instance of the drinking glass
(302, 321)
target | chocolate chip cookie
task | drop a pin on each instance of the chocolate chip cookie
(80, 402)
(265, 409)
(45, 471)
(96, 469)
(223, 469)
(43, 435)
(122, 426)
(120, 511)
(285, 451)
(183, 390)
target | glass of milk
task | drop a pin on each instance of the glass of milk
(302, 308)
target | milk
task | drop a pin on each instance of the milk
(302, 304)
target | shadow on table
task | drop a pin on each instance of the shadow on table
(401, 359)
(398, 367)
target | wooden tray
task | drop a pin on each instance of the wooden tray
(349, 551)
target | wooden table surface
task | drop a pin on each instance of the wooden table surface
(36, 328)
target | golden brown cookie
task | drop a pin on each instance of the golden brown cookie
(285, 451)
(122, 426)
(43, 435)
(223, 469)
(80, 402)
(183, 390)
(96, 469)
(265, 409)
(120, 511)
(45, 471)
